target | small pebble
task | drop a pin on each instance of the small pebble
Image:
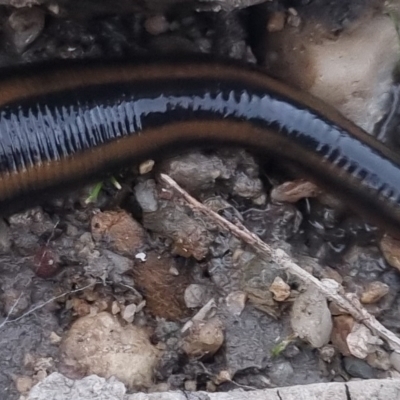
(129, 313)
(280, 289)
(197, 295)
(280, 373)
(374, 292)
(146, 195)
(211, 387)
(390, 248)
(204, 338)
(45, 263)
(342, 326)
(358, 368)
(293, 18)
(327, 353)
(222, 377)
(115, 308)
(190, 385)
(235, 302)
(276, 21)
(311, 318)
(141, 256)
(156, 25)
(118, 231)
(330, 273)
(54, 338)
(26, 25)
(361, 341)
(146, 167)
(291, 192)
(23, 384)
(379, 359)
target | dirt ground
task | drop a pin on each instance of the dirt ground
(137, 284)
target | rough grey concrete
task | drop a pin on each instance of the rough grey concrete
(58, 387)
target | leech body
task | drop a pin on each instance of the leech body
(72, 123)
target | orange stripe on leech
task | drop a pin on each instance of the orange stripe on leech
(135, 148)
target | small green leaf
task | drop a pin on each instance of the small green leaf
(92, 198)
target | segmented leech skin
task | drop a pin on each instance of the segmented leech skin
(65, 124)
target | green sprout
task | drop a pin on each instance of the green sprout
(281, 346)
(94, 194)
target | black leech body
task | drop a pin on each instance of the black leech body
(74, 123)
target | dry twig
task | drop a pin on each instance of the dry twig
(7, 320)
(346, 302)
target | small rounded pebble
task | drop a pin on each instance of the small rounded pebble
(358, 368)
(23, 384)
(119, 231)
(45, 263)
(146, 167)
(204, 338)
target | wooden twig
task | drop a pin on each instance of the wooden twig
(39, 306)
(346, 302)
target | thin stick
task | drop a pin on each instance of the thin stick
(350, 305)
(41, 305)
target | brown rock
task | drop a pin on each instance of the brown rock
(45, 262)
(163, 291)
(330, 273)
(190, 236)
(374, 292)
(276, 21)
(391, 250)
(337, 310)
(204, 338)
(342, 326)
(119, 231)
(280, 289)
(291, 192)
(80, 306)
